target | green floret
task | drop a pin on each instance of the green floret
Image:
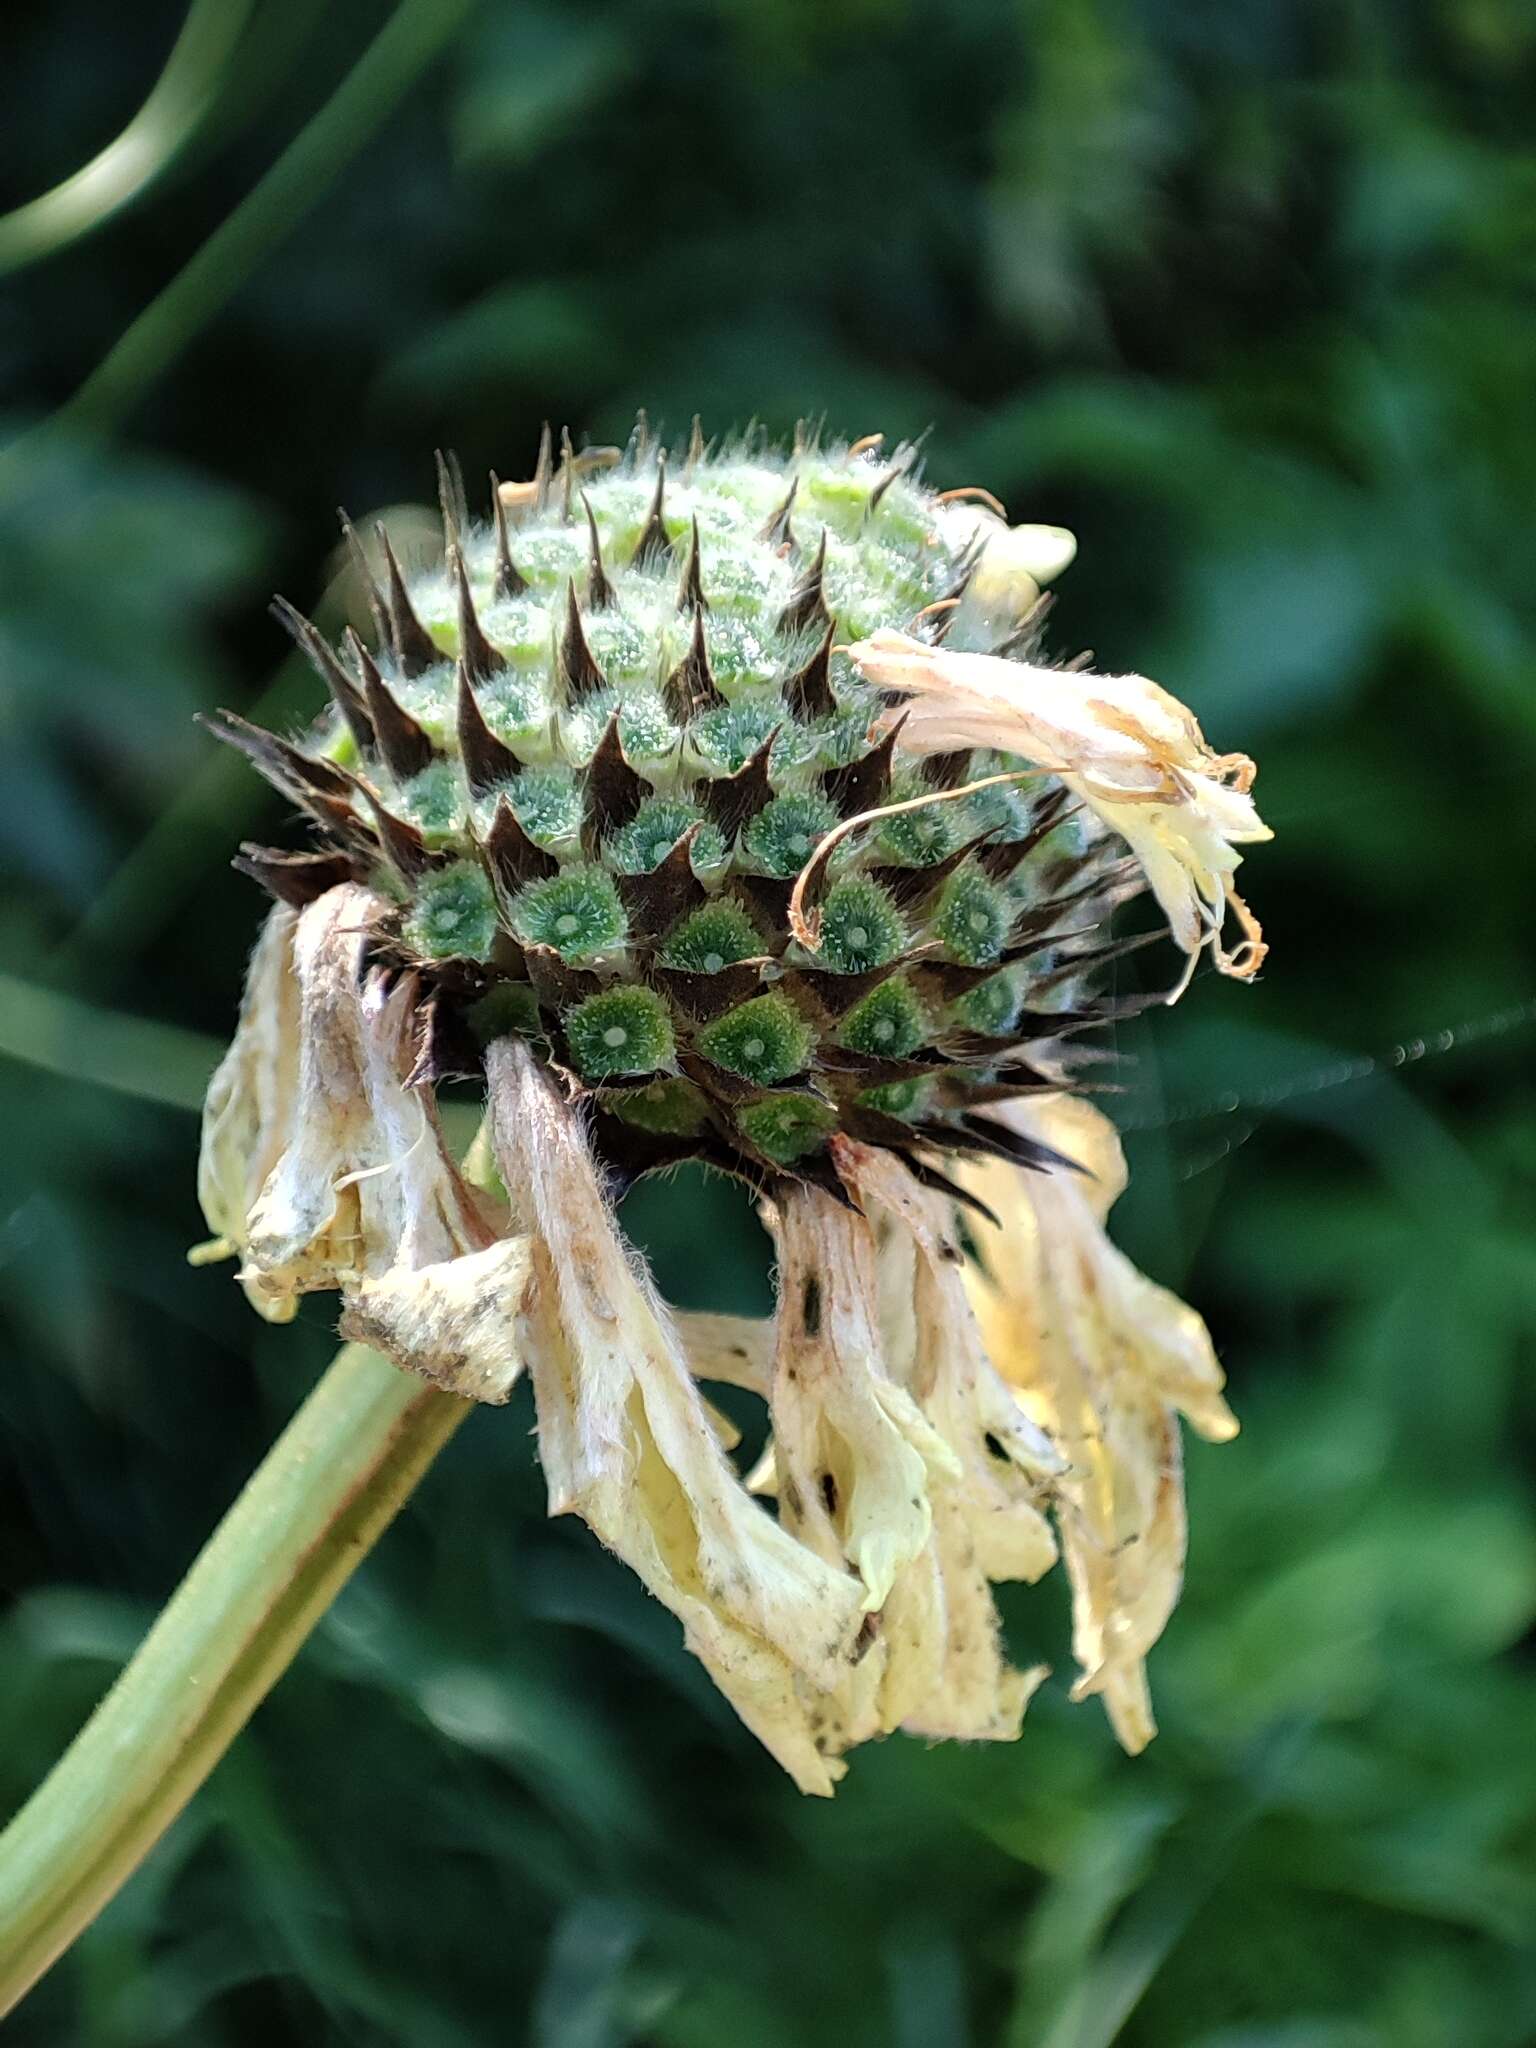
(889, 1022)
(454, 914)
(578, 912)
(860, 927)
(670, 1108)
(731, 734)
(902, 1099)
(765, 1040)
(785, 1127)
(434, 801)
(645, 842)
(547, 804)
(515, 707)
(621, 1031)
(783, 835)
(713, 938)
(973, 918)
(990, 1008)
(916, 839)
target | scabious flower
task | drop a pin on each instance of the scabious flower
(720, 810)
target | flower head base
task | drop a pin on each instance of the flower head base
(569, 812)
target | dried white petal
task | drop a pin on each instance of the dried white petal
(852, 1450)
(987, 1519)
(626, 1444)
(319, 1165)
(1132, 752)
(455, 1323)
(1101, 1359)
(249, 1112)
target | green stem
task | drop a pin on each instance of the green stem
(183, 98)
(306, 1519)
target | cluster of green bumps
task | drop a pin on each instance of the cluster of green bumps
(593, 748)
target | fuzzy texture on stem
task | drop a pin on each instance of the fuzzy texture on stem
(306, 1519)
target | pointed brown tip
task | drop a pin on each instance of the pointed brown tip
(691, 687)
(600, 591)
(691, 597)
(345, 694)
(578, 665)
(404, 746)
(475, 651)
(415, 649)
(486, 760)
(808, 692)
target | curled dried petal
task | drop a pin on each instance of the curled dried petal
(626, 1443)
(319, 1166)
(1129, 749)
(987, 1520)
(1102, 1358)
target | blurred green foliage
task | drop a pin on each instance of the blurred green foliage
(1240, 289)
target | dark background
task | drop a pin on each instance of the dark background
(1241, 290)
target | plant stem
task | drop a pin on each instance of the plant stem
(304, 1522)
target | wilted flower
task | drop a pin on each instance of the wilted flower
(560, 812)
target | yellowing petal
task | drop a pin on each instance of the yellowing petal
(1132, 752)
(626, 1443)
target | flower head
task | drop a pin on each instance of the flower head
(568, 814)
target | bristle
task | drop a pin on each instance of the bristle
(316, 786)
(691, 597)
(372, 595)
(653, 547)
(475, 652)
(896, 469)
(567, 476)
(947, 771)
(402, 743)
(808, 692)
(512, 857)
(509, 581)
(864, 783)
(613, 792)
(578, 665)
(777, 532)
(658, 900)
(404, 847)
(691, 688)
(807, 605)
(695, 449)
(600, 592)
(486, 761)
(706, 996)
(297, 879)
(451, 500)
(344, 692)
(543, 469)
(733, 801)
(415, 649)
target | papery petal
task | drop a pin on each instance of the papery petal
(455, 1323)
(987, 1519)
(1102, 1358)
(362, 1183)
(626, 1444)
(1132, 752)
(248, 1116)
